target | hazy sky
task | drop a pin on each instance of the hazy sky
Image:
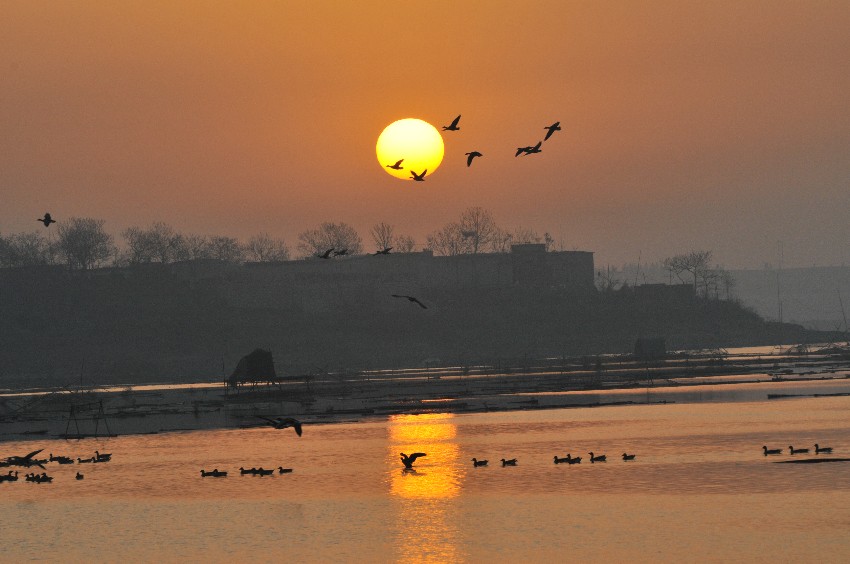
(686, 125)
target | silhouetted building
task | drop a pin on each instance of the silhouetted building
(329, 285)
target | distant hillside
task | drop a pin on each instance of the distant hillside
(130, 326)
(809, 296)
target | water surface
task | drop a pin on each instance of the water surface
(700, 489)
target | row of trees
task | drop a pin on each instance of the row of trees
(693, 268)
(709, 280)
(478, 232)
(83, 243)
(161, 243)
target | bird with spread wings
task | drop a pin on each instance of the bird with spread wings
(25, 461)
(409, 459)
(283, 423)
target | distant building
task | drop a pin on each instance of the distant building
(337, 284)
(325, 285)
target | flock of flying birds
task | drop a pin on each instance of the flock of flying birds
(420, 177)
(470, 156)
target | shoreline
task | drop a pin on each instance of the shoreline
(337, 398)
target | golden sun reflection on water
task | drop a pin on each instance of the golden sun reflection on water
(426, 516)
(437, 475)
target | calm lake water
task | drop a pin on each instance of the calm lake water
(699, 490)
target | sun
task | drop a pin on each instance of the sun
(416, 143)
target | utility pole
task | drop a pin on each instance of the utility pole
(779, 283)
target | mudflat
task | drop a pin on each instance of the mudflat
(351, 396)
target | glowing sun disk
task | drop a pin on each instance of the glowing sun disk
(416, 143)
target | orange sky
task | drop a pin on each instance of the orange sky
(710, 125)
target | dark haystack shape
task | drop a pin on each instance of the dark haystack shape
(253, 368)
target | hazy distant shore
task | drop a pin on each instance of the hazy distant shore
(348, 397)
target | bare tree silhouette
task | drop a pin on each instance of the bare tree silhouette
(27, 249)
(383, 234)
(330, 235)
(226, 248)
(502, 241)
(448, 241)
(473, 234)
(83, 242)
(263, 248)
(696, 263)
(478, 226)
(404, 244)
(158, 243)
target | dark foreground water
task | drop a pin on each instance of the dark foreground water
(699, 490)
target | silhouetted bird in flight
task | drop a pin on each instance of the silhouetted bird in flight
(453, 126)
(411, 299)
(340, 253)
(396, 166)
(384, 251)
(326, 254)
(552, 129)
(521, 150)
(472, 155)
(408, 460)
(419, 177)
(46, 220)
(283, 423)
(535, 149)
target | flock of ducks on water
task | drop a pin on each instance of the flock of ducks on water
(818, 450)
(216, 473)
(472, 155)
(30, 460)
(407, 460)
(569, 459)
(277, 423)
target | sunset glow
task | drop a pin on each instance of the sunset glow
(713, 125)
